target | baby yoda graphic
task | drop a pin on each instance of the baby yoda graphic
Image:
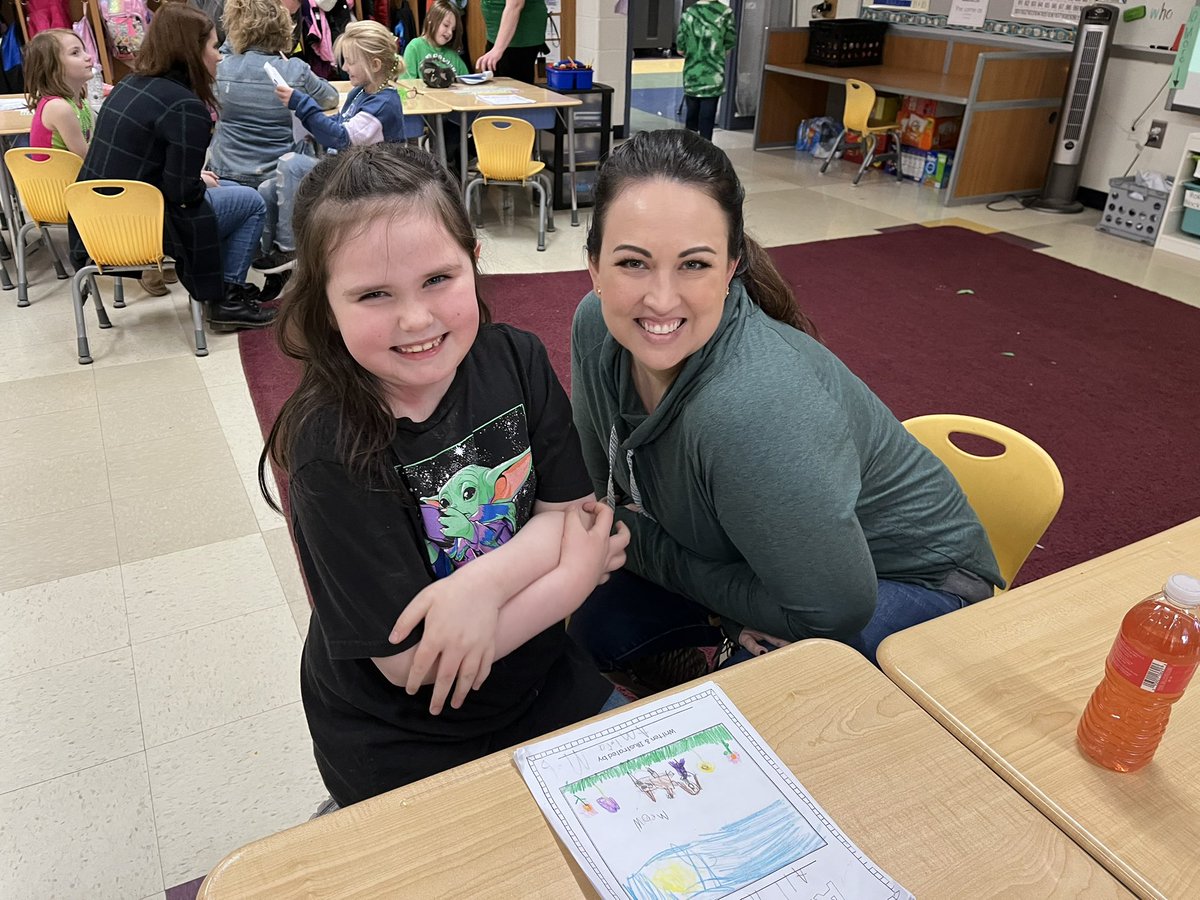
(473, 513)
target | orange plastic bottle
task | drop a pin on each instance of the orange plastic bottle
(1150, 664)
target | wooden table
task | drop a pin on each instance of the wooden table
(1010, 678)
(467, 100)
(1010, 93)
(914, 799)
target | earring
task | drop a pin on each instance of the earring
(598, 291)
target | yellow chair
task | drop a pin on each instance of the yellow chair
(121, 226)
(1016, 493)
(40, 176)
(860, 101)
(505, 148)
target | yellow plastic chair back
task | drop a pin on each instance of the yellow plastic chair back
(860, 102)
(122, 228)
(42, 176)
(1016, 494)
(505, 148)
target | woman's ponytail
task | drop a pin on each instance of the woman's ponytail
(769, 290)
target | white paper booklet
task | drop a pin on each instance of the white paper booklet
(683, 798)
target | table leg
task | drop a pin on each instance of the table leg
(571, 158)
(462, 151)
(439, 137)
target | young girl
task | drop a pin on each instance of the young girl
(422, 438)
(372, 113)
(442, 38)
(57, 71)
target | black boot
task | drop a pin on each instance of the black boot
(239, 308)
(273, 286)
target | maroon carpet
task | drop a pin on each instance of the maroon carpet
(1103, 375)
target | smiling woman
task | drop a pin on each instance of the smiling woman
(761, 481)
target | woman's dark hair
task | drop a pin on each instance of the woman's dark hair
(686, 158)
(175, 40)
(335, 202)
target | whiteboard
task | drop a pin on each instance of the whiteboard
(1047, 20)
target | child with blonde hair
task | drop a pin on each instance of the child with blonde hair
(372, 113)
(57, 71)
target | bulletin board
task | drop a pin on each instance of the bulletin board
(1045, 20)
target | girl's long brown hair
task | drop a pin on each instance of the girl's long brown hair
(438, 13)
(44, 76)
(686, 158)
(175, 41)
(334, 203)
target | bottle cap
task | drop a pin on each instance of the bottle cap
(1183, 589)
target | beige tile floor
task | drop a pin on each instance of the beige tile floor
(153, 613)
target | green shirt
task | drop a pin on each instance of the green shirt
(419, 49)
(84, 113)
(531, 27)
(776, 488)
(706, 35)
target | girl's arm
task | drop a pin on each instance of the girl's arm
(504, 35)
(587, 550)
(60, 117)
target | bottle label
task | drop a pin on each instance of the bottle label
(1153, 675)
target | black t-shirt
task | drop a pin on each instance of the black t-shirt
(467, 480)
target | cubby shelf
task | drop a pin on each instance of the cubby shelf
(1170, 237)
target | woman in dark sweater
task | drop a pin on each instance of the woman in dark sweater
(155, 127)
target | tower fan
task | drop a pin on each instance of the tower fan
(1093, 42)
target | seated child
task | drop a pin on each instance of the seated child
(372, 113)
(439, 501)
(442, 38)
(57, 72)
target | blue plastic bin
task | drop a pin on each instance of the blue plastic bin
(1191, 217)
(563, 79)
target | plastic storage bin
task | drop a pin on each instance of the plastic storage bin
(560, 79)
(845, 42)
(1191, 208)
(1132, 211)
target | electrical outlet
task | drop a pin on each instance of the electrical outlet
(1158, 130)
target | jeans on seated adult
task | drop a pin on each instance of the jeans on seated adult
(240, 212)
(288, 175)
(629, 617)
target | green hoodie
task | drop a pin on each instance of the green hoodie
(775, 487)
(706, 35)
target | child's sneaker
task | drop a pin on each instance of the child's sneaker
(276, 261)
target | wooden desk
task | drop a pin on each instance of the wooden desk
(1010, 678)
(914, 799)
(1010, 96)
(466, 99)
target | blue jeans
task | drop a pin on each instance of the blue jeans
(240, 212)
(629, 617)
(288, 175)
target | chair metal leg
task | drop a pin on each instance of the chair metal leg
(895, 135)
(85, 356)
(869, 141)
(832, 153)
(101, 312)
(118, 293)
(471, 212)
(545, 179)
(541, 192)
(59, 271)
(198, 326)
(20, 246)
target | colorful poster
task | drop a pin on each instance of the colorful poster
(684, 799)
